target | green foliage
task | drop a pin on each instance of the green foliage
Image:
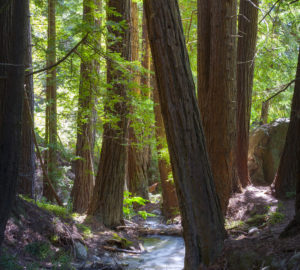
(125, 243)
(87, 232)
(235, 224)
(8, 261)
(128, 206)
(40, 250)
(276, 217)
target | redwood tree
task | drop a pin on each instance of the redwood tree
(217, 90)
(26, 179)
(288, 172)
(289, 168)
(107, 200)
(170, 201)
(12, 53)
(51, 115)
(247, 33)
(137, 168)
(202, 219)
(84, 169)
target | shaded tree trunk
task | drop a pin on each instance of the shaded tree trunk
(27, 162)
(217, 90)
(170, 202)
(84, 168)
(198, 201)
(12, 54)
(247, 33)
(51, 114)
(107, 200)
(288, 172)
(137, 168)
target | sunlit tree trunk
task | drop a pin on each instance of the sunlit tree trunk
(107, 200)
(137, 169)
(264, 112)
(84, 169)
(27, 162)
(288, 172)
(247, 33)
(170, 203)
(217, 90)
(202, 219)
(51, 114)
(12, 54)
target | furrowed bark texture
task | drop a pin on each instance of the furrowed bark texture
(247, 33)
(12, 54)
(170, 202)
(107, 201)
(26, 179)
(288, 172)
(137, 167)
(202, 219)
(84, 169)
(51, 114)
(217, 90)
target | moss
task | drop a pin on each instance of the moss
(235, 224)
(87, 232)
(125, 243)
(256, 220)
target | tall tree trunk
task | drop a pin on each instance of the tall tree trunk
(217, 90)
(107, 200)
(84, 168)
(198, 201)
(247, 33)
(288, 171)
(27, 162)
(51, 114)
(12, 54)
(137, 169)
(170, 202)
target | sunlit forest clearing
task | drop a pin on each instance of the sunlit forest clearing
(154, 134)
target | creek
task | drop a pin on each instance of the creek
(161, 252)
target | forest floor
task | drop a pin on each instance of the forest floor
(48, 237)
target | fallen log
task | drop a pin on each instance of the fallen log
(160, 231)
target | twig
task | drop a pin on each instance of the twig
(39, 153)
(61, 60)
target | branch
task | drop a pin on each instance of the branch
(286, 86)
(268, 13)
(61, 60)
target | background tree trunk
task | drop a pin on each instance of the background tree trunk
(170, 202)
(247, 33)
(84, 168)
(217, 89)
(198, 201)
(51, 114)
(107, 200)
(26, 179)
(288, 171)
(12, 54)
(137, 168)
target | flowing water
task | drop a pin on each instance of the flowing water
(161, 252)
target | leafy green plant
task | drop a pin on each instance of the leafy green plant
(145, 214)
(276, 217)
(8, 261)
(40, 250)
(128, 205)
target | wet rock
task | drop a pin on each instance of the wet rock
(294, 262)
(80, 251)
(265, 149)
(253, 231)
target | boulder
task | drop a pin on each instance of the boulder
(266, 144)
(80, 251)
